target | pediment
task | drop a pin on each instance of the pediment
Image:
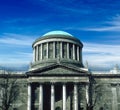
(58, 69)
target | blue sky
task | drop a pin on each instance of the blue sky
(95, 22)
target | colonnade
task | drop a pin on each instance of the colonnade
(73, 51)
(52, 103)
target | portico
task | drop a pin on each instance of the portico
(64, 91)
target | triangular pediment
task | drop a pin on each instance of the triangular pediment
(58, 69)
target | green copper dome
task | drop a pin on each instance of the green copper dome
(57, 33)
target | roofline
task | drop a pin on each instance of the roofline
(58, 36)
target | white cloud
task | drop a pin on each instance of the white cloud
(101, 55)
(18, 58)
(113, 24)
(115, 21)
(99, 29)
(16, 39)
(11, 52)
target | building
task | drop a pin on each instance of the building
(58, 80)
(57, 71)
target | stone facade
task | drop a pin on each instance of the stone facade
(57, 79)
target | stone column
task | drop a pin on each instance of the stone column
(54, 50)
(81, 55)
(75, 97)
(61, 50)
(78, 53)
(64, 96)
(87, 94)
(29, 97)
(68, 56)
(40, 97)
(52, 97)
(74, 52)
(37, 53)
(47, 51)
(33, 54)
(41, 51)
(114, 99)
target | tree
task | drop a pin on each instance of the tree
(9, 90)
(101, 94)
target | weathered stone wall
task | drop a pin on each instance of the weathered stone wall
(106, 92)
(105, 95)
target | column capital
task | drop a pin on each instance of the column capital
(40, 83)
(52, 83)
(29, 83)
(76, 83)
(64, 83)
